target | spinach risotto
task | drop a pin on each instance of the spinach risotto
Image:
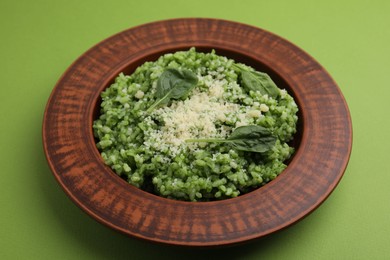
(196, 126)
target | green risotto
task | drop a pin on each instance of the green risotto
(196, 126)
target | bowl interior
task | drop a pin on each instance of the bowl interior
(257, 64)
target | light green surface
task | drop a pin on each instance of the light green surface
(40, 39)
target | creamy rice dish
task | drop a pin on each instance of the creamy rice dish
(196, 126)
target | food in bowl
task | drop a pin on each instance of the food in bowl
(196, 126)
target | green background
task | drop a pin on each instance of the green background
(40, 39)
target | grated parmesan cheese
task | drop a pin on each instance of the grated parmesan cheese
(264, 108)
(195, 117)
(254, 113)
(139, 94)
(216, 89)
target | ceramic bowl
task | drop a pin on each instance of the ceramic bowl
(323, 142)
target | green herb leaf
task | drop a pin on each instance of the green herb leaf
(258, 81)
(173, 84)
(251, 138)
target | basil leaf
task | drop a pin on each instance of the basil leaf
(251, 138)
(173, 84)
(258, 81)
